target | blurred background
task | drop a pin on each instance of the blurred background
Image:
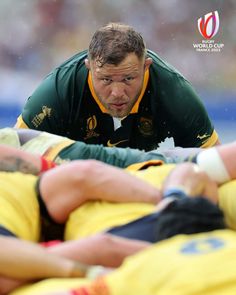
(37, 35)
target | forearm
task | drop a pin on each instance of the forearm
(12, 159)
(117, 185)
(25, 260)
(65, 188)
(100, 249)
(119, 157)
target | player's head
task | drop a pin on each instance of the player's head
(117, 63)
(111, 43)
(188, 216)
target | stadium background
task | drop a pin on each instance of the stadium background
(37, 35)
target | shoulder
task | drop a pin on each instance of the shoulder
(73, 66)
(170, 82)
(65, 77)
(167, 78)
(163, 68)
(77, 59)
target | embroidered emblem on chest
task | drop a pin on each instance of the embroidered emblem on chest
(91, 125)
(145, 126)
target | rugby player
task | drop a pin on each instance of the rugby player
(118, 93)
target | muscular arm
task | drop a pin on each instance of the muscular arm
(66, 187)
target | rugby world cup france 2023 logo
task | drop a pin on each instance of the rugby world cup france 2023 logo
(208, 26)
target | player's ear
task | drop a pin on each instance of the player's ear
(87, 63)
(147, 63)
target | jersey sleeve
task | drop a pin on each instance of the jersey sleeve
(120, 157)
(191, 124)
(44, 109)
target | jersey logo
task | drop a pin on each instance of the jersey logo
(145, 126)
(38, 119)
(202, 246)
(203, 136)
(109, 144)
(91, 125)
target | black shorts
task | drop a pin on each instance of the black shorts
(140, 229)
(144, 228)
(50, 230)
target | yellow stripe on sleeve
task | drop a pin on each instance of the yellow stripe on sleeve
(211, 140)
(20, 123)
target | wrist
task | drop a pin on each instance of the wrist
(78, 270)
(178, 192)
(95, 271)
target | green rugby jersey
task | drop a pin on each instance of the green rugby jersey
(65, 104)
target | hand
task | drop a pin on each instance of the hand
(192, 181)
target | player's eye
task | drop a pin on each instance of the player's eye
(106, 80)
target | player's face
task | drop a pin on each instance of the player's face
(119, 86)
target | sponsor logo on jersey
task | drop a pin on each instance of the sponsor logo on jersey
(203, 136)
(109, 144)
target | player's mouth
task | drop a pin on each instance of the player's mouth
(118, 106)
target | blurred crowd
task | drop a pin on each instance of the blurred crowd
(36, 35)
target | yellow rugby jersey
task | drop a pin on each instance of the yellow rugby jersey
(183, 265)
(97, 216)
(154, 175)
(50, 285)
(93, 217)
(227, 202)
(19, 209)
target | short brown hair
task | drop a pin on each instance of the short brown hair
(111, 44)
